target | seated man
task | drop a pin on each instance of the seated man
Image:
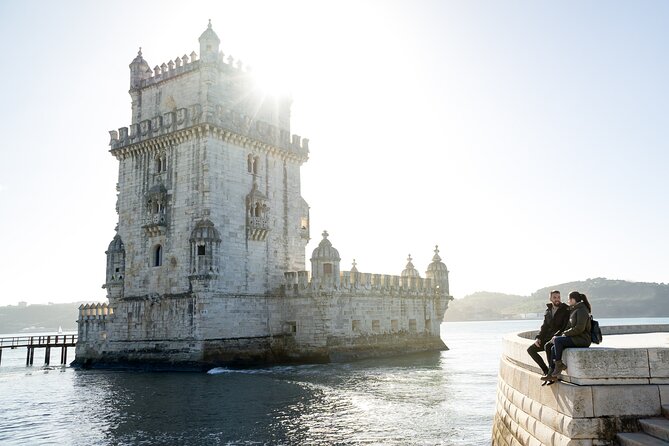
(556, 318)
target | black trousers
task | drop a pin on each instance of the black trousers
(533, 350)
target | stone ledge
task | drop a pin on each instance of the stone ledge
(571, 400)
(549, 417)
(600, 364)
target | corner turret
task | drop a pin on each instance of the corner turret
(209, 43)
(139, 70)
(438, 272)
(325, 264)
(115, 269)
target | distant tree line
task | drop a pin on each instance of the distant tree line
(39, 318)
(609, 298)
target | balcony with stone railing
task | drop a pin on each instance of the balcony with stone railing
(257, 228)
(155, 224)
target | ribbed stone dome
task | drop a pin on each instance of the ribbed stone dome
(410, 270)
(205, 230)
(325, 251)
(437, 264)
(139, 60)
(209, 35)
(116, 244)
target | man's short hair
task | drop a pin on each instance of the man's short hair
(555, 292)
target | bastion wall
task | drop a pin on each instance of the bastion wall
(204, 329)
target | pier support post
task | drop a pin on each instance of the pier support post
(32, 355)
(47, 355)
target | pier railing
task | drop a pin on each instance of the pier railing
(47, 342)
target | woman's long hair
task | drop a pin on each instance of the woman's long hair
(580, 297)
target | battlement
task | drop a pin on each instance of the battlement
(186, 64)
(300, 282)
(96, 311)
(231, 122)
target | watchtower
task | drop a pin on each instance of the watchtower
(209, 181)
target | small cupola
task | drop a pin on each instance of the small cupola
(325, 264)
(138, 70)
(409, 269)
(209, 43)
(438, 272)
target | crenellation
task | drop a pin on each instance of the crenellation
(232, 123)
(364, 283)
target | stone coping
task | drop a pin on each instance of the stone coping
(629, 354)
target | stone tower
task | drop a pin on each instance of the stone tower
(209, 182)
(208, 263)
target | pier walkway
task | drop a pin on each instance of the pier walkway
(47, 342)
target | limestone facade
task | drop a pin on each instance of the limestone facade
(208, 263)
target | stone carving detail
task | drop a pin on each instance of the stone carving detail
(155, 222)
(205, 241)
(257, 214)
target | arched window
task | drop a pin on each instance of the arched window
(253, 164)
(157, 257)
(161, 163)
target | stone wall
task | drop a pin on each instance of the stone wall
(603, 392)
(208, 328)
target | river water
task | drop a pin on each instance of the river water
(445, 398)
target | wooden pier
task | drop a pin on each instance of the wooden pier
(47, 342)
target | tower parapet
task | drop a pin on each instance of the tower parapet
(225, 124)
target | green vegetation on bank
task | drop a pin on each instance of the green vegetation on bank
(39, 318)
(609, 298)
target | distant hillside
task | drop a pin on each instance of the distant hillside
(39, 318)
(609, 298)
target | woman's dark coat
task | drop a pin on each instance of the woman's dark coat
(579, 325)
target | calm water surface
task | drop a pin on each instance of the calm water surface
(429, 399)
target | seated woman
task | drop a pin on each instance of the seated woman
(577, 333)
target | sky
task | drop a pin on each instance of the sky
(526, 138)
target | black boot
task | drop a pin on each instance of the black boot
(559, 367)
(548, 375)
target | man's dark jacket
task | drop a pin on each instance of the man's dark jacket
(553, 324)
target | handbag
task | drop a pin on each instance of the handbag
(595, 331)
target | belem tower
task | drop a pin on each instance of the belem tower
(208, 264)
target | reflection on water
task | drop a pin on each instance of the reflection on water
(439, 398)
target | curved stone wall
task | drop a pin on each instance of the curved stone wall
(604, 391)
